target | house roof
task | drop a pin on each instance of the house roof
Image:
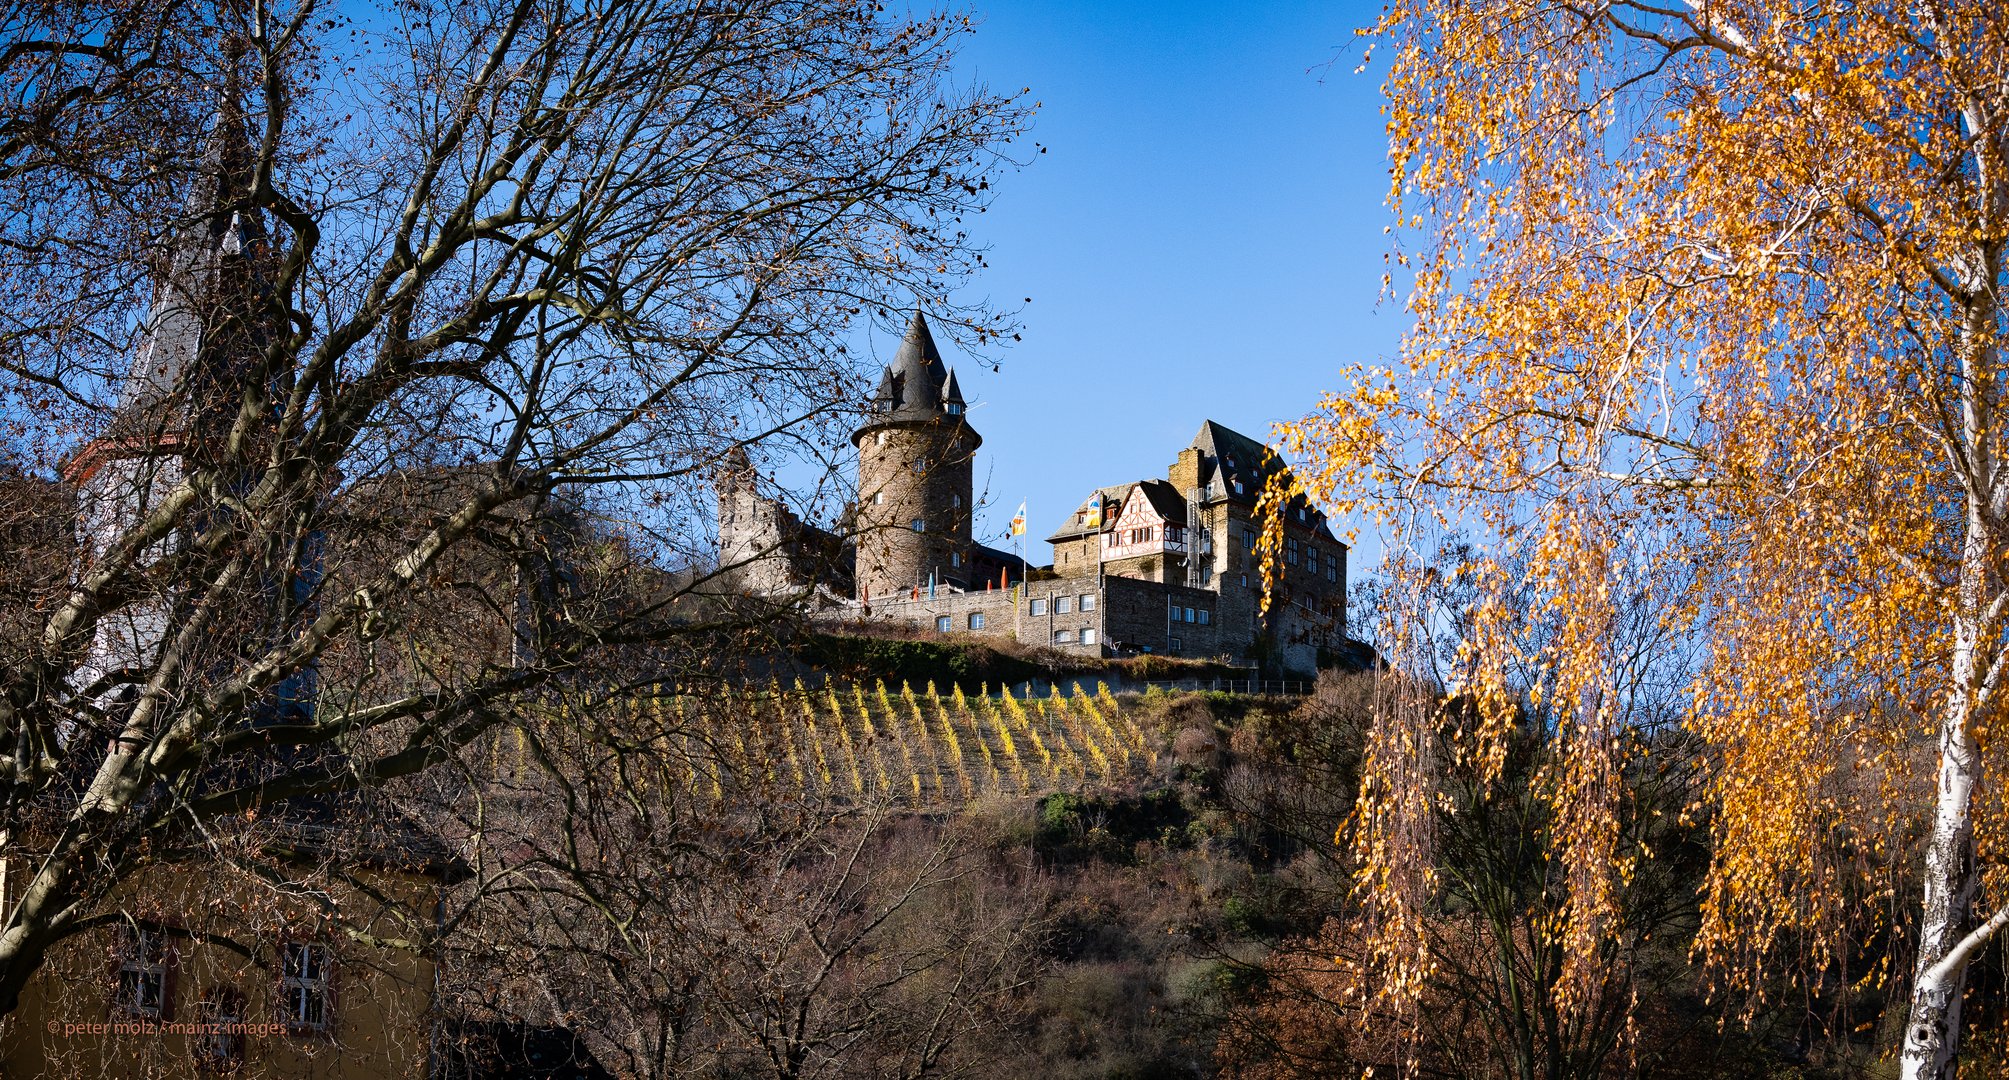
(1165, 499)
(1101, 498)
(1238, 467)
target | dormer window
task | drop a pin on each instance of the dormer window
(955, 408)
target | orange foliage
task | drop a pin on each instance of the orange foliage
(1716, 286)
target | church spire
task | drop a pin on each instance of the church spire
(205, 284)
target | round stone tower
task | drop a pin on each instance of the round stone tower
(914, 478)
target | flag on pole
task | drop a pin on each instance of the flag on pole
(1018, 521)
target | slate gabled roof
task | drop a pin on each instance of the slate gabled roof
(1165, 500)
(1110, 497)
(1229, 457)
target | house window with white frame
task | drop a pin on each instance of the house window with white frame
(1063, 605)
(142, 989)
(1063, 637)
(942, 624)
(220, 1047)
(976, 620)
(1087, 602)
(303, 986)
(878, 498)
(1088, 635)
(1038, 606)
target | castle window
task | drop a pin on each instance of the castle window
(1177, 645)
(942, 624)
(1087, 602)
(1331, 566)
(1189, 614)
(1063, 605)
(142, 989)
(920, 464)
(1248, 539)
(1290, 552)
(1311, 558)
(878, 498)
(1088, 636)
(1063, 637)
(303, 986)
(918, 525)
(956, 501)
(955, 560)
(976, 620)
(1038, 606)
(955, 408)
(1205, 616)
(1206, 573)
(882, 438)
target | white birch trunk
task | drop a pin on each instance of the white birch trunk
(1932, 1032)
(1947, 937)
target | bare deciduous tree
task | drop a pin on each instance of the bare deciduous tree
(324, 315)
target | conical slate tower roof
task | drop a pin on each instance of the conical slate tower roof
(917, 384)
(180, 361)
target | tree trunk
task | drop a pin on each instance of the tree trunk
(1932, 1033)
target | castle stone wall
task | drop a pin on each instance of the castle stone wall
(894, 557)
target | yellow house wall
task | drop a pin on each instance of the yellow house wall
(381, 995)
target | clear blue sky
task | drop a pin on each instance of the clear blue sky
(1202, 240)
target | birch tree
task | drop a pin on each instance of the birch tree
(1718, 286)
(372, 294)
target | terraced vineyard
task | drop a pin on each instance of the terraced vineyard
(920, 747)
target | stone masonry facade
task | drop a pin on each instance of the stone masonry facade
(1169, 566)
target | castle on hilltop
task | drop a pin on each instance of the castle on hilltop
(1164, 566)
